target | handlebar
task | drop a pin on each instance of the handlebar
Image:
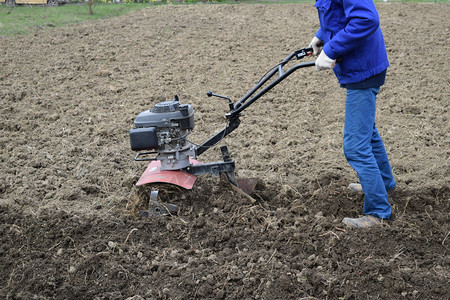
(298, 54)
(247, 100)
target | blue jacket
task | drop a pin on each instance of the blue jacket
(350, 30)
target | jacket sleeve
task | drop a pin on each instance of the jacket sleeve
(319, 34)
(362, 21)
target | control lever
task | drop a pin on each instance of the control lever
(230, 103)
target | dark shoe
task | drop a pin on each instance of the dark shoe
(363, 222)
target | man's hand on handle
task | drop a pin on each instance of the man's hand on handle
(315, 44)
(323, 62)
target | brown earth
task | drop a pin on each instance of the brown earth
(69, 228)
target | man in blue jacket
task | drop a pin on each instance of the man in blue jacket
(353, 46)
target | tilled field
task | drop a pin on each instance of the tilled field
(68, 208)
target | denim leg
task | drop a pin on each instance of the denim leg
(359, 128)
(379, 152)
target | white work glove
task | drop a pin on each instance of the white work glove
(315, 44)
(323, 62)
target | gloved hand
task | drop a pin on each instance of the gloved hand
(315, 44)
(324, 62)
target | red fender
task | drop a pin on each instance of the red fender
(153, 173)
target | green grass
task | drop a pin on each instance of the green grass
(27, 19)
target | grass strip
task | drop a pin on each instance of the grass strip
(27, 18)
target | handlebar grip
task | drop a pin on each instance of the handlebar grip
(301, 53)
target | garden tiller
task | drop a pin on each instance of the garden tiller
(162, 133)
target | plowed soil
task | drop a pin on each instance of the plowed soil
(69, 205)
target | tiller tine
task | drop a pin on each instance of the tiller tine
(156, 209)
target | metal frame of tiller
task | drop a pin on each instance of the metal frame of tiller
(227, 166)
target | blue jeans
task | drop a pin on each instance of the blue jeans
(365, 152)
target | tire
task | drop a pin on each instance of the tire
(52, 3)
(10, 3)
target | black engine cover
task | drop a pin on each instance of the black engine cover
(143, 139)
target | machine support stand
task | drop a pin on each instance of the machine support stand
(227, 158)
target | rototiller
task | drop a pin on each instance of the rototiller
(162, 132)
